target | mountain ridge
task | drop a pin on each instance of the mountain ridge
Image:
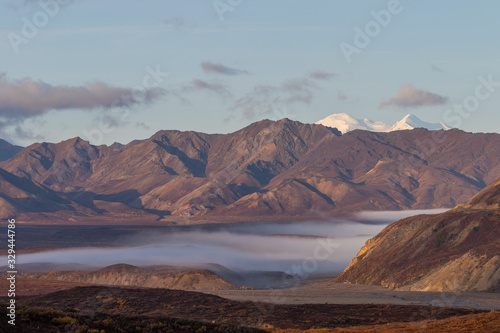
(268, 169)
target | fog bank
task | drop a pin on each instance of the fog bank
(313, 247)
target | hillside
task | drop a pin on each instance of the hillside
(455, 251)
(195, 306)
(152, 277)
(20, 194)
(265, 170)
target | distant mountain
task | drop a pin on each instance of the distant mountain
(345, 123)
(8, 150)
(266, 170)
(171, 277)
(410, 122)
(455, 251)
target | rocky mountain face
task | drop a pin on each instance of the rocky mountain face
(455, 251)
(267, 169)
(22, 195)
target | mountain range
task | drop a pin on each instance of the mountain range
(456, 251)
(345, 123)
(264, 171)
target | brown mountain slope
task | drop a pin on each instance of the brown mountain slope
(61, 166)
(487, 199)
(19, 194)
(455, 251)
(266, 169)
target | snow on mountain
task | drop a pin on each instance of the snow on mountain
(411, 121)
(345, 123)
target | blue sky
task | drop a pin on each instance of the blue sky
(233, 62)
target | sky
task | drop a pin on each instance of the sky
(114, 70)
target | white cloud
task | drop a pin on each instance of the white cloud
(409, 96)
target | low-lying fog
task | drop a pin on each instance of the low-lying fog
(300, 249)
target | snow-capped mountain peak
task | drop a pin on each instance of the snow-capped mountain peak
(411, 121)
(345, 123)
